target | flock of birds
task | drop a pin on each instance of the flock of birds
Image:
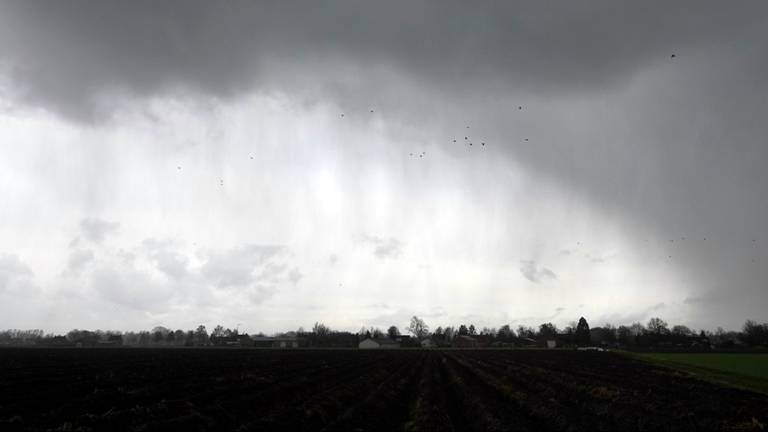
(753, 243)
(468, 141)
(422, 154)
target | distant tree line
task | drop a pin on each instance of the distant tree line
(655, 334)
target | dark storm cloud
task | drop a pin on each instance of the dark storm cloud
(65, 55)
(682, 155)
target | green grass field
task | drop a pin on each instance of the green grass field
(749, 371)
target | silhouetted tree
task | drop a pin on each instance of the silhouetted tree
(681, 330)
(144, 338)
(506, 333)
(547, 331)
(755, 334)
(393, 332)
(463, 330)
(320, 330)
(418, 327)
(201, 335)
(582, 332)
(657, 326)
(625, 336)
(525, 332)
(472, 330)
(218, 331)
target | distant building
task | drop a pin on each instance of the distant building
(464, 342)
(276, 342)
(225, 340)
(245, 340)
(378, 343)
(286, 342)
(428, 343)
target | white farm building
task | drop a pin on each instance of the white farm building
(378, 343)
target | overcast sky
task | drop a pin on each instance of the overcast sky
(272, 165)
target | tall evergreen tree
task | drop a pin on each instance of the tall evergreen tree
(582, 332)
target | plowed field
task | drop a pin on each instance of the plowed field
(461, 390)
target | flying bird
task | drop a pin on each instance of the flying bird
(178, 167)
(519, 107)
(672, 56)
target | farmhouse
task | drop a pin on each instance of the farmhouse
(464, 342)
(428, 343)
(275, 342)
(526, 341)
(378, 343)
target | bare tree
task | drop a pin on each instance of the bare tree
(418, 328)
(657, 326)
(321, 330)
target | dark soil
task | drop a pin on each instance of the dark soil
(223, 389)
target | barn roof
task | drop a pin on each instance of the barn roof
(384, 341)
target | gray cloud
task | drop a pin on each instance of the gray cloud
(664, 147)
(254, 270)
(166, 258)
(240, 266)
(78, 260)
(130, 277)
(15, 276)
(96, 230)
(706, 298)
(68, 56)
(295, 275)
(384, 248)
(641, 316)
(531, 271)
